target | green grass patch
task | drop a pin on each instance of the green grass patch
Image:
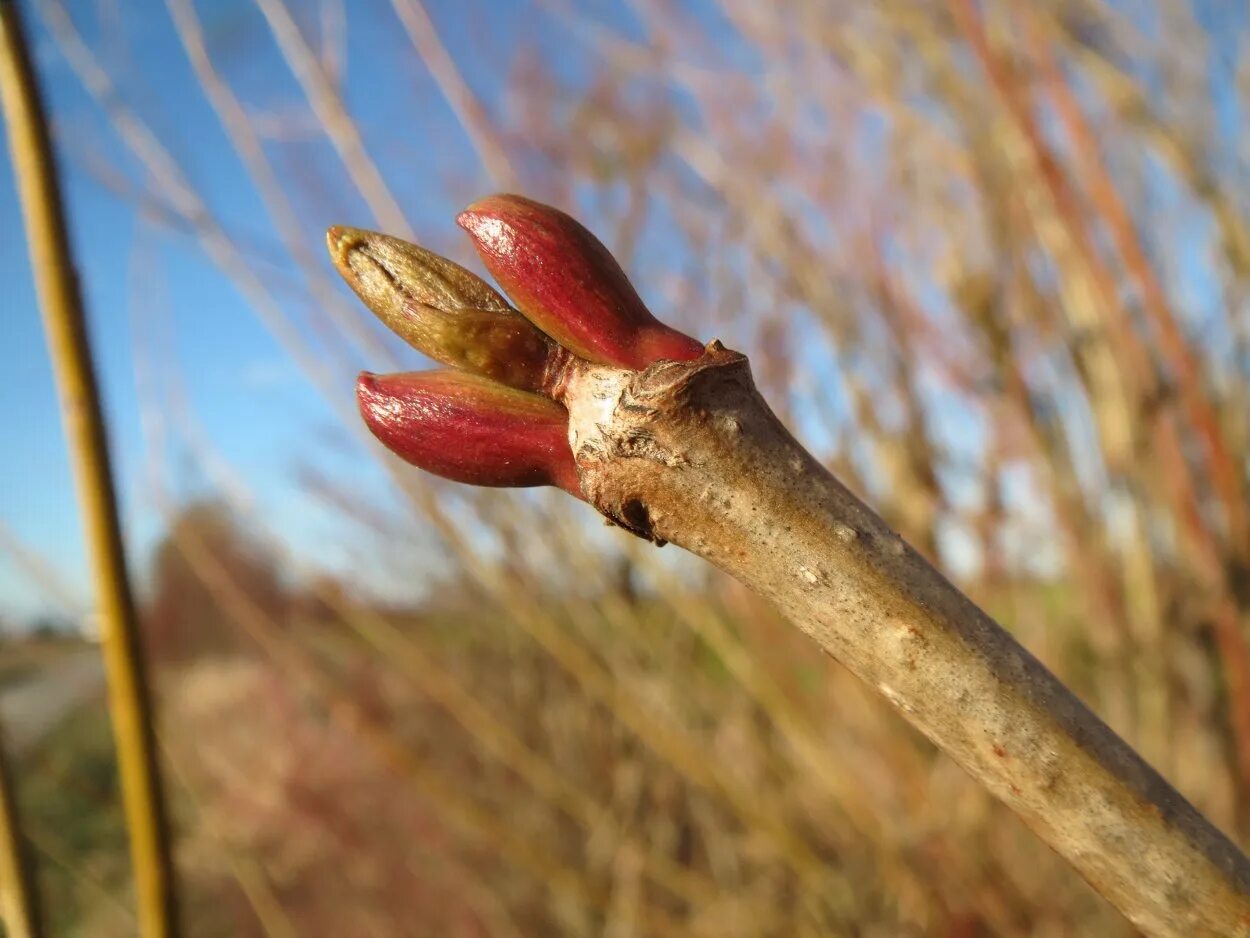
(71, 811)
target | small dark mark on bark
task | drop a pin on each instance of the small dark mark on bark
(635, 518)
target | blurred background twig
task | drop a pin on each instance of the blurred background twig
(992, 264)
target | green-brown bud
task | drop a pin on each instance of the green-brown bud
(440, 308)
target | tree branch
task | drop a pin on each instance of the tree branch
(688, 452)
(674, 443)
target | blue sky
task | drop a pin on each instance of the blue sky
(168, 325)
(147, 289)
(160, 312)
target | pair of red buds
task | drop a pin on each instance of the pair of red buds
(490, 419)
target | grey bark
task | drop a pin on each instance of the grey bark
(690, 453)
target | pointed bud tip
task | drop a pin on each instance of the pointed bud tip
(335, 235)
(481, 211)
(377, 405)
(439, 308)
(568, 283)
(481, 221)
(344, 244)
(366, 386)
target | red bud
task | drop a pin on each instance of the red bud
(568, 284)
(470, 429)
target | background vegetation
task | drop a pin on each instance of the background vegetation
(990, 261)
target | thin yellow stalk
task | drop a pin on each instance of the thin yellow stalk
(69, 348)
(19, 904)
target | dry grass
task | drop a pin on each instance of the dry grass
(992, 266)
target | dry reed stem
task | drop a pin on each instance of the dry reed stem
(169, 180)
(456, 808)
(670, 743)
(40, 571)
(1096, 564)
(334, 117)
(246, 142)
(69, 348)
(1143, 382)
(456, 91)
(248, 872)
(62, 857)
(19, 900)
(391, 644)
(1176, 347)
